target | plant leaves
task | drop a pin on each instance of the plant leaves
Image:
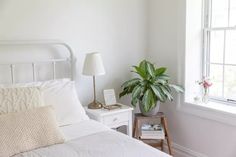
(164, 97)
(148, 100)
(153, 100)
(157, 92)
(164, 77)
(134, 102)
(140, 72)
(168, 88)
(145, 101)
(178, 88)
(123, 93)
(151, 69)
(160, 71)
(151, 86)
(130, 82)
(167, 93)
(143, 66)
(161, 81)
(136, 92)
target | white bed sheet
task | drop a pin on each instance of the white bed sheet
(84, 128)
(92, 139)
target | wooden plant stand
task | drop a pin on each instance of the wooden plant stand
(140, 120)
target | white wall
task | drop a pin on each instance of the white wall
(166, 39)
(116, 28)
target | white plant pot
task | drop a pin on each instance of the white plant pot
(153, 112)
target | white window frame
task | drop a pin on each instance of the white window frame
(207, 29)
(190, 46)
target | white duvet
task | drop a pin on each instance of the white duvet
(92, 139)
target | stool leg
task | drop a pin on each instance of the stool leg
(164, 122)
(162, 145)
(135, 128)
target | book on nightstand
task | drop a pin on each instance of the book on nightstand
(149, 131)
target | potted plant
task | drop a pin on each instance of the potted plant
(150, 88)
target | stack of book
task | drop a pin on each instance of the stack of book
(149, 131)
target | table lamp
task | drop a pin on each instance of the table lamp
(93, 66)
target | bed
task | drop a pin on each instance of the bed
(92, 139)
(83, 137)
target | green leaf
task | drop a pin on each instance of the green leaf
(134, 102)
(130, 89)
(153, 101)
(148, 100)
(151, 69)
(160, 71)
(161, 81)
(131, 82)
(143, 66)
(167, 93)
(177, 88)
(157, 92)
(145, 101)
(163, 96)
(123, 93)
(164, 77)
(168, 88)
(140, 72)
(136, 92)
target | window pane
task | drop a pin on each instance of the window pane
(219, 13)
(230, 47)
(232, 21)
(230, 82)
(217, 46)
(216, 75)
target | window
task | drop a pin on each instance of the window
(220, 48)
(190, 67)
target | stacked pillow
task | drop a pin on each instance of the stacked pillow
(44, 106)
(61, 94)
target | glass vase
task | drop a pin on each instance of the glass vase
(205, 97)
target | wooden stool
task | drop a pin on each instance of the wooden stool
(140, 120)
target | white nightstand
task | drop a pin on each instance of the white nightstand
(113, 118)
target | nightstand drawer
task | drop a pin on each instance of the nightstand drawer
(113, 118)
(116, 118)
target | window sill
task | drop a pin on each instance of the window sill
(215, 111)
(221, 107)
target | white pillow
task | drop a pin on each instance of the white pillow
(61, 94)
(19, 99)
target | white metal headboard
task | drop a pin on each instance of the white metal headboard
(69, 59)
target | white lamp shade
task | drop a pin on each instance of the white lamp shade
(93, 65)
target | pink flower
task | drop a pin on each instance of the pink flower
(206, 84)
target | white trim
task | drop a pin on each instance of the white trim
(208, 112)
(223, 79)
(221, 64)
(181, 151)
(220, 28)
